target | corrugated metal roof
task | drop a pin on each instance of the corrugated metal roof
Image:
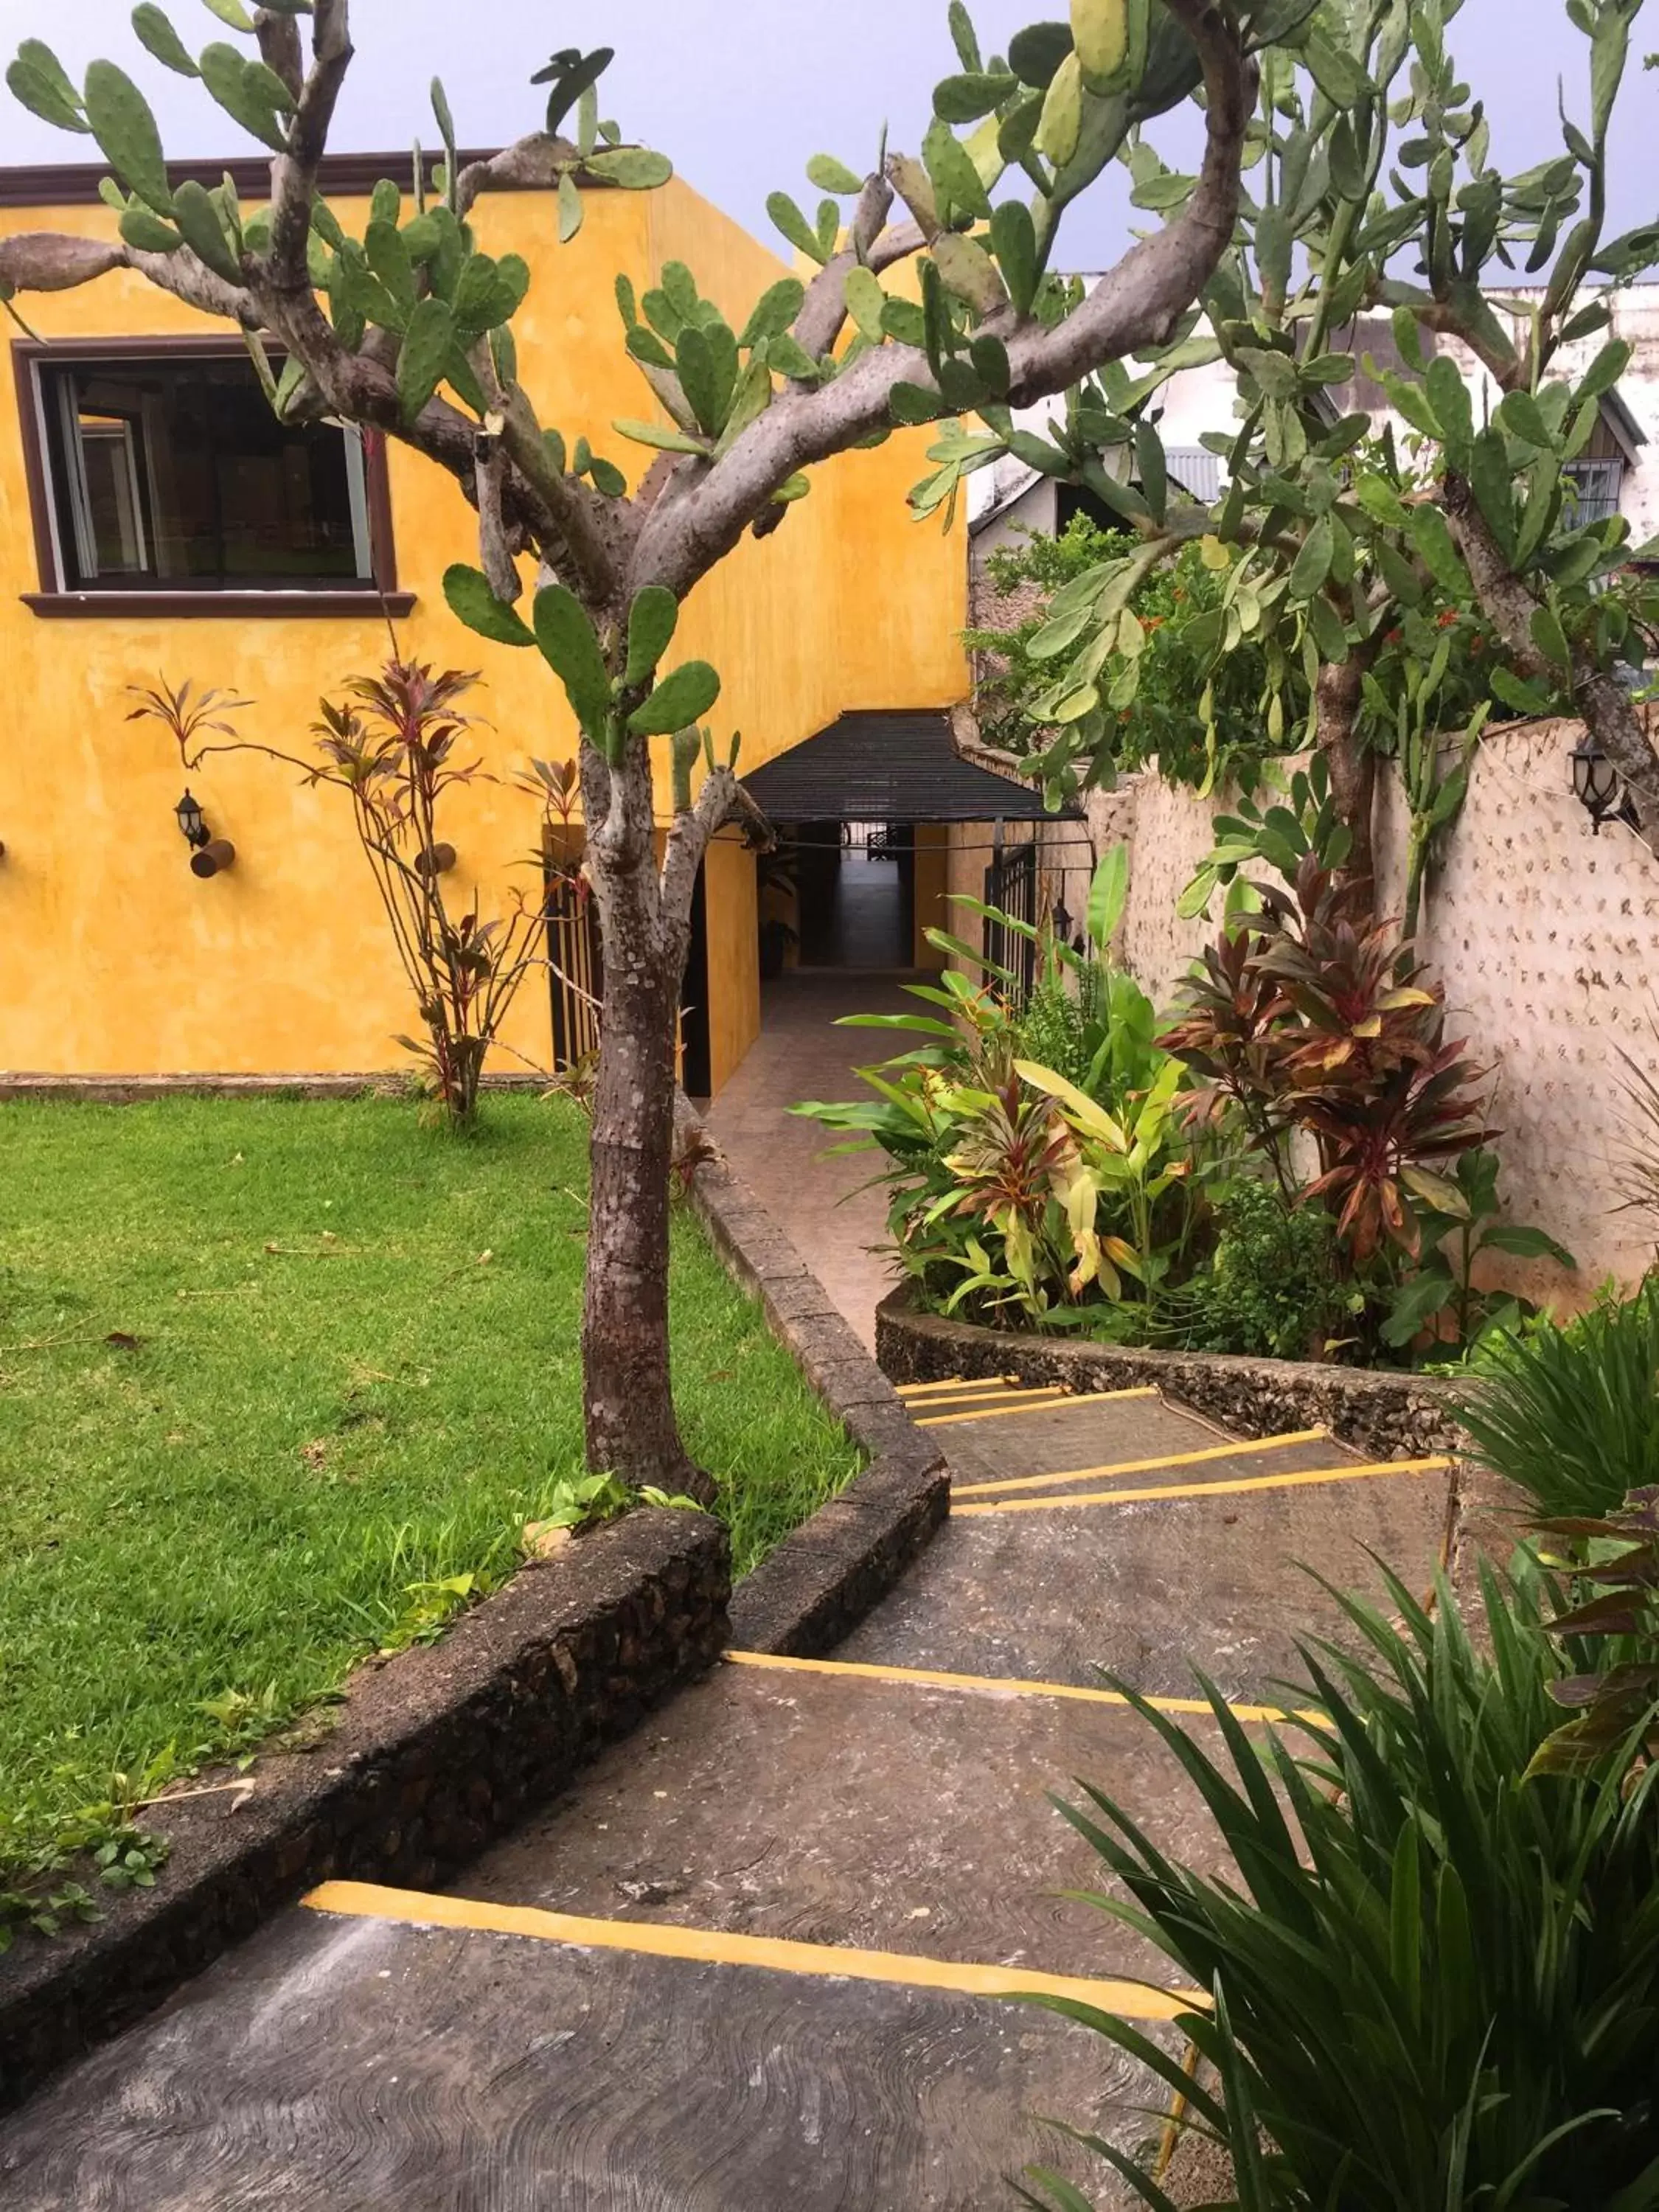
(880, 767)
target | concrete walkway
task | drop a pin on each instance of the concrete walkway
(756, 1961)
(822, 1199)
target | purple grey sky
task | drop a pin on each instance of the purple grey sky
(741, 92)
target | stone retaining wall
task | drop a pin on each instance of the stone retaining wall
(821, 1580)
(434, 1753)
(430, 1757)
(1385, 1416)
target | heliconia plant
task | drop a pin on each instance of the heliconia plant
(406, 324)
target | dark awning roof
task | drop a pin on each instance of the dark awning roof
(887, 768)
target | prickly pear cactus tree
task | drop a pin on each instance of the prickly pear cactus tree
(408, 328)
(1417, 563)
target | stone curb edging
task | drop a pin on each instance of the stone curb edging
(129, 1090)
(1381, 1414)
(815, 1586)
(433, 1754)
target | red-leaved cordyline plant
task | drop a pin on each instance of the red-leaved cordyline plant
(392, 746)
(1308, 1018)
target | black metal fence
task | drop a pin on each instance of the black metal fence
(1011, 885)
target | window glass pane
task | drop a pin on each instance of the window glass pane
(178, 474)
(1593, 490)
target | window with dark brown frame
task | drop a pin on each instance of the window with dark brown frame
(162, 481)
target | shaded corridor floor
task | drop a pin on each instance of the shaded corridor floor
(819, 1197)
(611, 2010)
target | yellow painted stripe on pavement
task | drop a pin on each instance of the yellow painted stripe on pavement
(957, 1383)
(653, 1939)
(949, 1402)
(1230, 1489)
(1018, 1686)
(928, 1413)
(1139, 1466)
(1035, 1403)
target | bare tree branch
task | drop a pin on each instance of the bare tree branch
(293, 175)
(1507, 369)
(1133, 307)
(721, 798)
(531, 163)
(53, 261)
(595, 532)
(823, 311)
(280, 49)
(1609, 710)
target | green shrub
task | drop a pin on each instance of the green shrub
(1572, 1414)
(1436, 1984)
(1271, 1288)
(1165, 724)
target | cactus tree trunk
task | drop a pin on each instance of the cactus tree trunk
(627, 1400)
(1353, 765)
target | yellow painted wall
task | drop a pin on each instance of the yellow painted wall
(114, 958)
(932, 883)
(734, 1009)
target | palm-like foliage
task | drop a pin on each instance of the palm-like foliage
(1436, 1985)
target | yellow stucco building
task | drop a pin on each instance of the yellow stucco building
(135, 546)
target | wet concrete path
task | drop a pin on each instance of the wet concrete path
(825, 1200)
(755, 1961)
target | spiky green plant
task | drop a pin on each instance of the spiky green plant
(1435, 1984)
(1571, 1415)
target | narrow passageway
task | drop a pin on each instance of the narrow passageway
(820, 1197)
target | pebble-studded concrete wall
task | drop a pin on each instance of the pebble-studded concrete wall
(1547, 937)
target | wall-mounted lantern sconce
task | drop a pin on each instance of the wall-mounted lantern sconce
(192, 827)
(209, 855)
(434, 860)
(1597, 787)
(1066, 931)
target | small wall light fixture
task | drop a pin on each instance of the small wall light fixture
(1597, 787)
(192, 826)
(209, 855)
(434, 860)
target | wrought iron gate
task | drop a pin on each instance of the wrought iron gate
(1011, 885)
(575, 968)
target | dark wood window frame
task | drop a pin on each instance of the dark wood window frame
(52, 602)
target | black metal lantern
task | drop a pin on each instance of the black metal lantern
(192, 823)
(1597, 788)
(1062, 921)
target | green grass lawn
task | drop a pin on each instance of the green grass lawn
(267, 1367)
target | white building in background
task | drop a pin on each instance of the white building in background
(1618, 475)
